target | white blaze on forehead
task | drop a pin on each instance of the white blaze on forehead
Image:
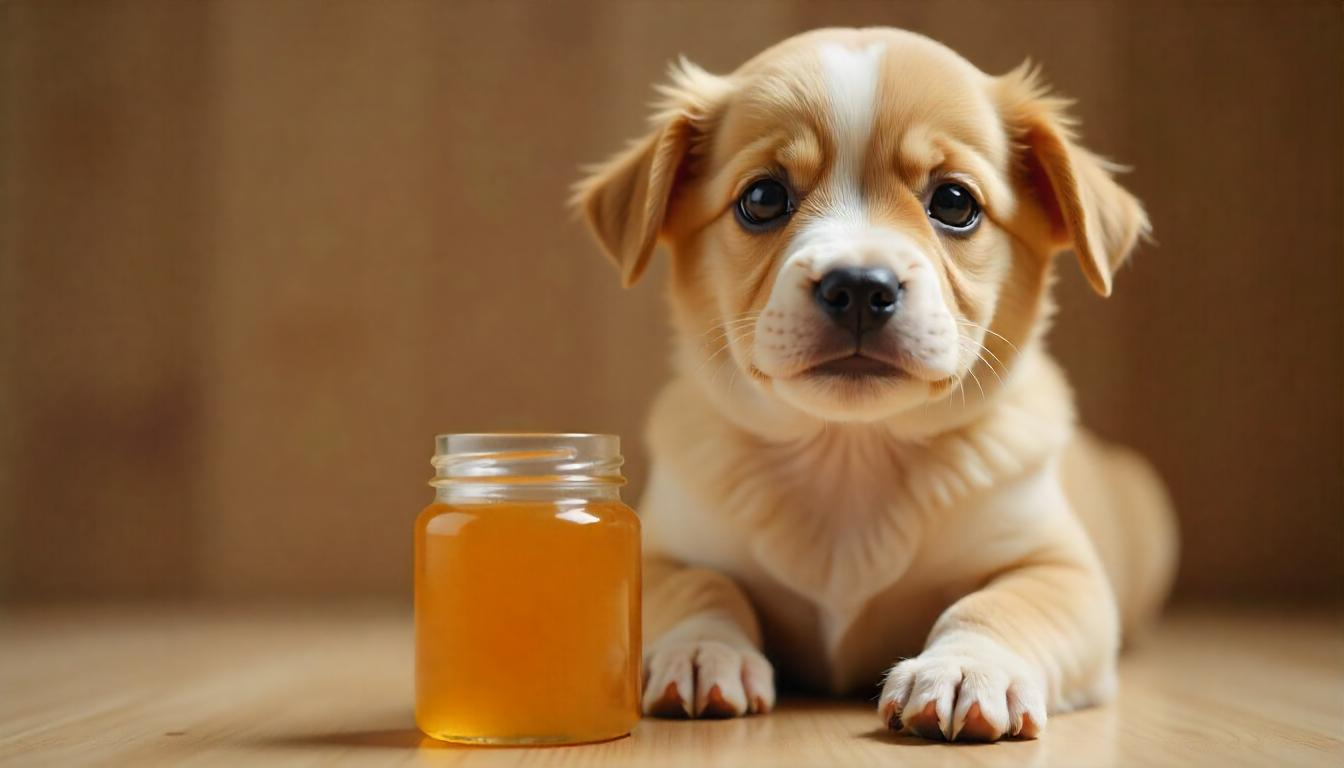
(851, 85)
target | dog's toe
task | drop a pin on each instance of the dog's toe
(973, 693)
(715, 705)
(976, 728)
(669, 704)
(669, 685)
(925, 722)
(707, 678)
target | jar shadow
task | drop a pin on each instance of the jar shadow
(391, 729)
(385, 738)
(408, 737)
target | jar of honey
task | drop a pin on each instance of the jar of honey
(527, 592)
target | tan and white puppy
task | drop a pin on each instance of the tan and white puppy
(866, 467)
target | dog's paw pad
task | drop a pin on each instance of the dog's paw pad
(1027, 729)
(925, 722)
(669, 704)
(891, 716)
(717, 706)
(975, 727)
(759, 705)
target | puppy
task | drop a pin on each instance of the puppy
(865, 468)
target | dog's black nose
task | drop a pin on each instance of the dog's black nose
(858, 298)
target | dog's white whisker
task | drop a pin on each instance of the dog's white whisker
(974, 347)
(990, 352)
(717, 351)
(727, 361)
(990, 368)
(725, 328)
(730, 337)
(976, 379)
(732, 323)
(730, 319)
(991, 333)
(750, 315)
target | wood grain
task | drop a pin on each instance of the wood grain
(198, 687)
(253, 255)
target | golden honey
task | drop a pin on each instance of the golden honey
(527, 593)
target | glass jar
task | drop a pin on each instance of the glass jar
(527, 592)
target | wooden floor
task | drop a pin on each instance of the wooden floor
(283, 687)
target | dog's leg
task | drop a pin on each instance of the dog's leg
(1041, 636)
(702, 655)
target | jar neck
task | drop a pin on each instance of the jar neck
(487, 468)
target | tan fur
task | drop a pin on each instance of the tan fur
(949, 516)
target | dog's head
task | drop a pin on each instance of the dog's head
(860, 219)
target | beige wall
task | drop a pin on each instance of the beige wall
(255, 254)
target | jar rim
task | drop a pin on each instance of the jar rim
(595, 444)
(442, 439)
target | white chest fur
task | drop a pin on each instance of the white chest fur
(831, 521)
(841, 517)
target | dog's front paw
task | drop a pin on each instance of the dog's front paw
(971, 688)
(706, 678)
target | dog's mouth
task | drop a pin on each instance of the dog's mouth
(855, 366)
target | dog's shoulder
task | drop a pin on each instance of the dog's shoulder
(1028, 424)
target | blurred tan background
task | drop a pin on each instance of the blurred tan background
(254, 255)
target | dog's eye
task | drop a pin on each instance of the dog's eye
(763, 204)
(953, 206)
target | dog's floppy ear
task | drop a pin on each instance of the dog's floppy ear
(1085, 208)
(625, 200)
